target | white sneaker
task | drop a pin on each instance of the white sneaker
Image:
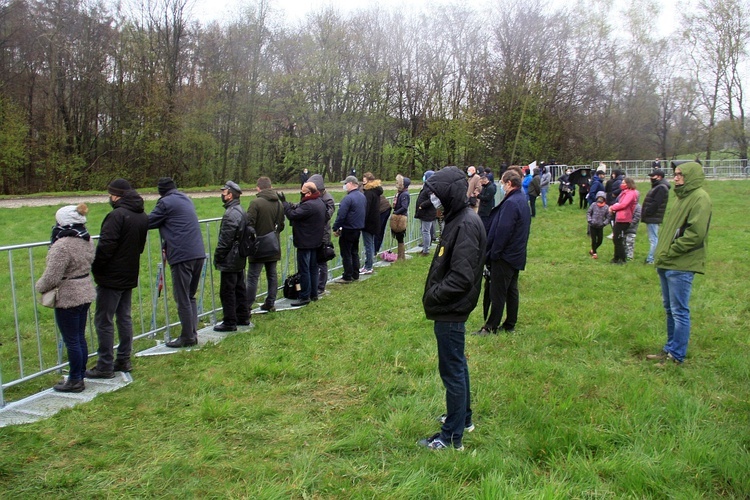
(365, 271)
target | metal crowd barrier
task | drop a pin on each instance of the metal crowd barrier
(31, 345)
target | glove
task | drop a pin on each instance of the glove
(281, 196)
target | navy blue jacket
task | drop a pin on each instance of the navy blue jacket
(510, 223)
(175, 216)
(596, 186)
(352, 211)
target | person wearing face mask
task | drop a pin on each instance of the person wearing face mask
(230, 263)
(451, 292)
(623, 211)
(177, 220)
(654, 208)
(426, 213)
(680, 254)
(115, 268)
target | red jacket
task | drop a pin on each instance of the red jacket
(625, 205)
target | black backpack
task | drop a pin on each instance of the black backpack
(247, 239)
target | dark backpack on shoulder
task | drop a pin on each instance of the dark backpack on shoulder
(247, 239)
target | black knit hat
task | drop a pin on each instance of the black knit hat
(118, 187)
(165, 184)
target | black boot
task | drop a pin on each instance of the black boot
(70, 385)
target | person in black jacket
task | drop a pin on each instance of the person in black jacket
(451, 293)
(486, 199)
(230, 263)
(653, 209)
(115, 268)
(506, 254)
(308, 221)
(177, 220)
(426, 213)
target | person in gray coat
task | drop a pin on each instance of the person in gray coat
(69, 261)
(182, 243)
(228, 260)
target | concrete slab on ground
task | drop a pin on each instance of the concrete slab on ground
(47, 403)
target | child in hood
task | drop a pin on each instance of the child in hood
(598, 218)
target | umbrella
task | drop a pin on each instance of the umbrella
(579, 176)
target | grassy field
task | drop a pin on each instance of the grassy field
(329, 401)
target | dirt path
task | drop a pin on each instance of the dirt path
(43, 201)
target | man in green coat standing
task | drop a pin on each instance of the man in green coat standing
(680, 253)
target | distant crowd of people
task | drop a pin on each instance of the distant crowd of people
(479, 241)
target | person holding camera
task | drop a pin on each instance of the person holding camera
(308, 220)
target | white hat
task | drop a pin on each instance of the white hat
(71, 214)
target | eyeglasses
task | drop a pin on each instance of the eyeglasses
(678, 174)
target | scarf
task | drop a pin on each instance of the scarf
(72, 230)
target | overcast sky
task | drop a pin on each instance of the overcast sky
(295, 10)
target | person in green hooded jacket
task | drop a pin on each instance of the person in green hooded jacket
(680, 253)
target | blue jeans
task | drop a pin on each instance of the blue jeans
(544, 196)
(653, 239)
(675, 295)
(426, 236)
(368, 240)
(307, 267)
(72, 325)
(454, 371)
(111, 304)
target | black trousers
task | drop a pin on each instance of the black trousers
(349, 247)
(233, 295)
(619, 241)
(503, 296)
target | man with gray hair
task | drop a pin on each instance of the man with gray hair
(348, 226)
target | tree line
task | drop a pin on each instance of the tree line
(91, 91)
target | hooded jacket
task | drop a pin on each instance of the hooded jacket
(510, 223)
(596, 186)
(454, 281)
(372, 191)
(402, 198)
(655, 203)
(121, 242)
(263, 214)
(612, 187)
(175, 216)
(684, 232)
(226, 256)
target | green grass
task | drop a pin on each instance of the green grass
(330, 400)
